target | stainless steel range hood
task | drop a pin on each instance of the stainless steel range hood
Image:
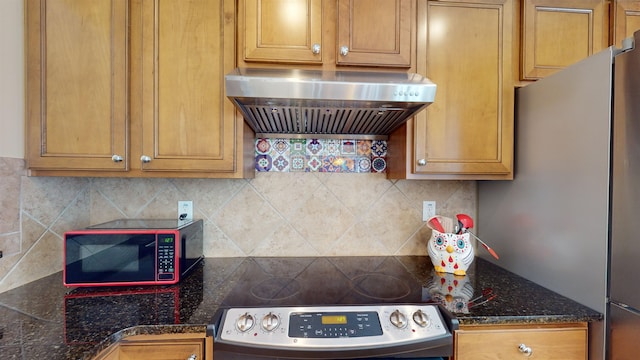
(327, 104)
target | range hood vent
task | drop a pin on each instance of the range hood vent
(327, 104)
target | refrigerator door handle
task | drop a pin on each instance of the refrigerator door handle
(626, 307)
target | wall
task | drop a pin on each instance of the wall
(275, 214)
(11, 79)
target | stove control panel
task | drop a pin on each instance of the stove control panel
(331, 327)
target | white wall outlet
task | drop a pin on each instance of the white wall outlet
(428, 210)
(185, 210)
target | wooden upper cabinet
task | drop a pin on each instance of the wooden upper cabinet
(327, 33)
(375, 32)
(76, 88)
(626, 20)
(465, 48)
(133, 88)
(186, 47)
(558, 33)
(287, 31)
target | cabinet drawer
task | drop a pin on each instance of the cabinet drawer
(159, 347)
(549, 344)
(163, 350)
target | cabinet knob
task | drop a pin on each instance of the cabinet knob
(422, 162)
(344, 50)
(116, 158)
(524, 349)
(145, 159)
(192, 357)
(315, 49)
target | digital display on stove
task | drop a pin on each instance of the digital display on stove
(334, 319)
(334, 325)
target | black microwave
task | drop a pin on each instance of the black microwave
(132, 252)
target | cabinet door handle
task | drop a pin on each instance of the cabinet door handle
(524, 349)
(192, 357)
(422, 162)
(315, 49)
(117, 158)
(145, 159)
(344, 50)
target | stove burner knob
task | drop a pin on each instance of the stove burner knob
(398, 319)
(270, 321)
(245, 322)
(421, 318)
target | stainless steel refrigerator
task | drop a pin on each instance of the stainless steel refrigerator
(567, 220)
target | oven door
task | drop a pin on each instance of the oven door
(93, 259)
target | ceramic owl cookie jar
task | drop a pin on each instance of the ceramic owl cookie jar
(449, 252)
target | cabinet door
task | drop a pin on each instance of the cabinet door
(287, 31)
(466, 51)
(558, 33)
(76, 86)
(375, 32)
(186, 122)
(626, 19)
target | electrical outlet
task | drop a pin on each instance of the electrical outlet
(428, 210)
(185, 210)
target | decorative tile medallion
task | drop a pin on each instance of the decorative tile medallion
(263, 162)
(379, 148)
(378, 164)
(320, 155)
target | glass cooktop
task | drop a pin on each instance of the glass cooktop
(329, 281)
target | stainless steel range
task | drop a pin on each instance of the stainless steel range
(331, 308)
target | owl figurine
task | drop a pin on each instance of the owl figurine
(452, 291)
(450, 253)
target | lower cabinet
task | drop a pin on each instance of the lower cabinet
(548, 341)
(159, 347)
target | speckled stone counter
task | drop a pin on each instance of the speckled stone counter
(43, 319)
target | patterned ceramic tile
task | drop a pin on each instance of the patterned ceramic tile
(320, 155)
(378, 164)
(364, 148)
(263, 162)
(281, 163)
(379, 148)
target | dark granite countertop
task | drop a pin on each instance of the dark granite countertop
(43, 319)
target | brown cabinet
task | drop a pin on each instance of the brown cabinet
(466, 48)
(161, 347)
(132, 88)
(281, 30)
(77, 104)
(625, 20)
(327, 33)
(558, 33)
(375, 32)
(549, 342)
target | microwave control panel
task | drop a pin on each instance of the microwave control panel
(166, 257)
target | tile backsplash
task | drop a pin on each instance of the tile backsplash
(321, 155)
(291, 213)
